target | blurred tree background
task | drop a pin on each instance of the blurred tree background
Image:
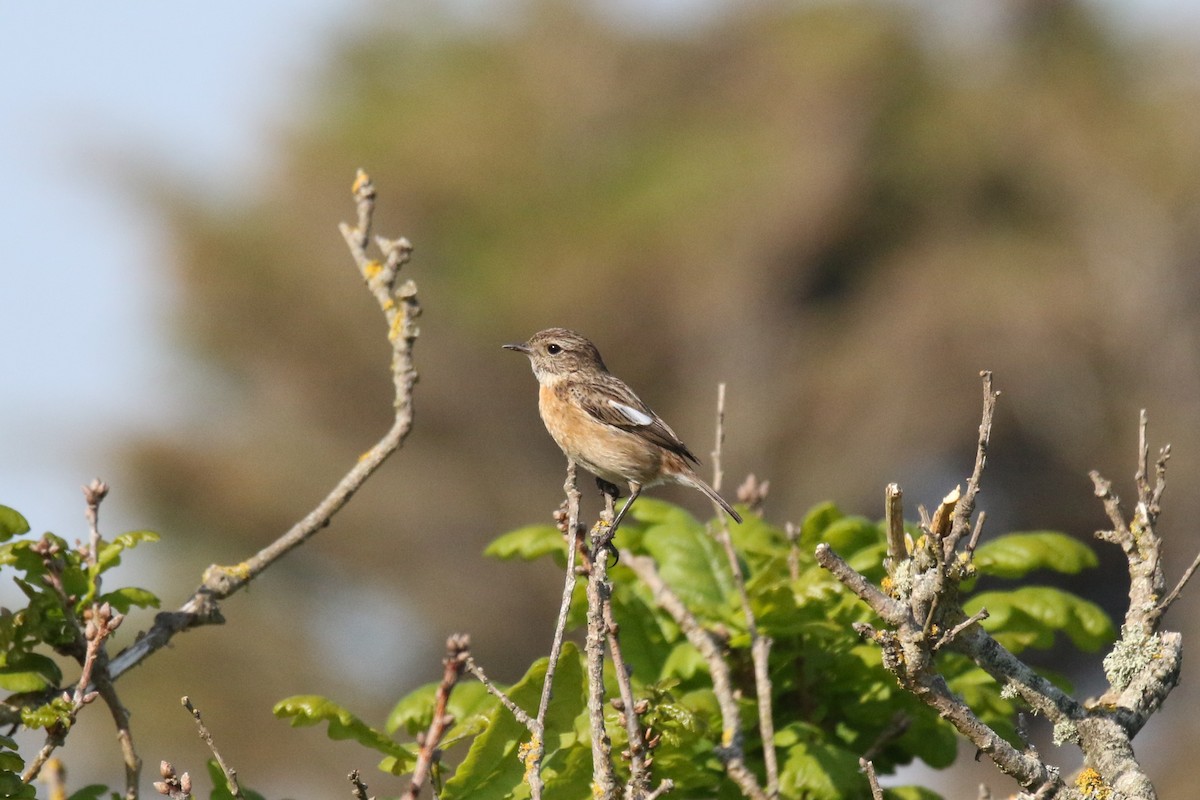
(843, 210)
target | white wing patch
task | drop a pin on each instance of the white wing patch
(632, 414)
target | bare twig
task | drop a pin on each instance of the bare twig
(104, 685)
(709, 645)
(1112, 506)
(571, 488)
(718, 472)
(231, 781)
(94, 493)
(760, 654)
(662, 789)
(760, 646)
(1173, 595)
(892, 611)
(966, 506)
(358, 789)
(894, 517)
(398, 301)
(457, 652)
(869, 768)
(953, 633)
(1143, 552)
(639, 776)
(1160, 478)
(529, 722)
(792, 531)
(538, 747)
(973, 542)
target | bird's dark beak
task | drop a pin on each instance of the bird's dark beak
(520, 347)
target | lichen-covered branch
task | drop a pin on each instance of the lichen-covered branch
(924, 614)
(599, 590)
(398, 301)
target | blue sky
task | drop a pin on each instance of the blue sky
(86, 353)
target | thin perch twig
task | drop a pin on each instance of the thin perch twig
(538, 743)
(599, 589)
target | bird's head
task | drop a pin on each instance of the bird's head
(555, 352)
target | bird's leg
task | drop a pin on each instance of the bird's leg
(634, 491)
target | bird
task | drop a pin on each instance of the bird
(600, 424)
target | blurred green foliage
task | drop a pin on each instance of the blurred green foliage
(832, 698)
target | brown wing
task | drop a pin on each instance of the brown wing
(612, 402)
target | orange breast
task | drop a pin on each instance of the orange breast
(613, 454)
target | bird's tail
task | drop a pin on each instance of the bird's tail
(716, 498)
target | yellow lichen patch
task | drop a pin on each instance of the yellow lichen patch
(727, 737)
(1092, 785)
(527, 752)
(396, 327)
(389, 304)
(887, 584)
(360, 179)
(241, 571)
(372, 268)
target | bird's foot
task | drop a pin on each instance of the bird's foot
(602, 543)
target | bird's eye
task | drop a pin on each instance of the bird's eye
(553, 349)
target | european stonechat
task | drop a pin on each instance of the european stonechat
(601, 424)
